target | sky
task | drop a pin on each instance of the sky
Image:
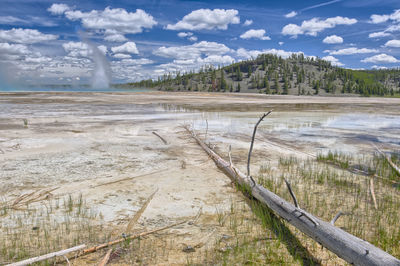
(54, 42)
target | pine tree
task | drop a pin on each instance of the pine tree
(238, 87)
(239, 75)
(222, 83)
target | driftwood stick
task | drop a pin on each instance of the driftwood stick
(66, 258)
(229, 154)
(48, 256)
(371, 187)
(291, 193)
(252, 141)
(206, 130)
(101, 246)
(196, 217)
(139, 213)
(347, 246)
(129, 178)
(106, 258)
(162, 139)
(394, 167)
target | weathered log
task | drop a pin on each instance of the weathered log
(47, 256)
(394, 167)
(347, 246)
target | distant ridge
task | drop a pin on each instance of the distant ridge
(270, 74)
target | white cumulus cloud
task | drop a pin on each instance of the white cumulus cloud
(25, 36)
(207, 19)
(378, 67)
(393, 43)
(333, 39)
(395, 16)
(58, 9)
(126, 48)
(246, 54)
(291, 14)
(255, 34)
(380, 59)
(122, 56)
(248, 22)
(193, 51)
(184, 34)
(334, 61)
(13, 49)
(80, 49)
(315, 25)
(113, 22)
(351, 50)
(378, 34)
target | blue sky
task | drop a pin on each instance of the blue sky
(53, 41)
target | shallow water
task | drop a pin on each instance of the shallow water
(70, 89)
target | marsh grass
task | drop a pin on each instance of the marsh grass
(324, 190)
(48, 226)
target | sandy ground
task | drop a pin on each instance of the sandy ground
(80, 143)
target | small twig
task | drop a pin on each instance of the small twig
(139, 213)
(333, 221)
(394, 167)
(197, 216)
(291, 193)
(205, 137)
(65, 257)
(95, 248)
(229, 154)
(252, 141)
(106, 258)
(162, 139)
(371, 182)
(129, 178)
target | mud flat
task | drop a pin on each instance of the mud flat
(101, 147)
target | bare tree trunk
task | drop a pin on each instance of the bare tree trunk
(347, 246)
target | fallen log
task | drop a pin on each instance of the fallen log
(47, 256)
(347, 246)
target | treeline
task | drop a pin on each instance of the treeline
(272, 74)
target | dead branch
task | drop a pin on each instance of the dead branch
(197, 216)
(371, 187)
(291, 193)
(347, 246)
(129, 237)
(394, 167)
(129, 178)
(138, 214)
(106, 258)
(252, 141)
(48, 256)
(333, 221)
(162, 139)
(229, 154)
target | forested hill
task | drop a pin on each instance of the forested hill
(271, 74)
